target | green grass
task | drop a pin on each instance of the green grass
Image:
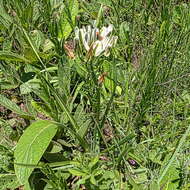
(131, 132)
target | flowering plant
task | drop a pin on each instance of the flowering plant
(95, 41)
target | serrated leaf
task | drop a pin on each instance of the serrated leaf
(31, 147)
(13, 106)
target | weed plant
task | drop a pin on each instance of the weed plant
(94, 118)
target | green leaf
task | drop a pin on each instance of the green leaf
(5, 19)
(28, 86)
(48, 45)
(105, 2)
(27, 186)
(100, 15)
(37, 38)
(84, 128)
(9, 56)
(7, 85)
(171, 179)
(93, 180)
(13, 107)
(94, 161)
(32, 146)
(118, 90)
(166, 167)
(41, 108)
(154, 186)
(81, 119)
(83, 180)
(77, 172)
(68, 19)
(8, 180)
(64, 74)
(32, 45)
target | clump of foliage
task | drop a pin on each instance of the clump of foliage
(94, 94)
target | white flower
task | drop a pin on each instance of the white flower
(94, 40)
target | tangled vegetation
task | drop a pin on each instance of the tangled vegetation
(95, 95)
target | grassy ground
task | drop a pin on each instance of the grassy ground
(73, 120)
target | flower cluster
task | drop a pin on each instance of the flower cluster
(95, 41)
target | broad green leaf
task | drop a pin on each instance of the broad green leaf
(13, 107)
(31, 147)
(9, 56)
(68, 18)
(77, 172)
